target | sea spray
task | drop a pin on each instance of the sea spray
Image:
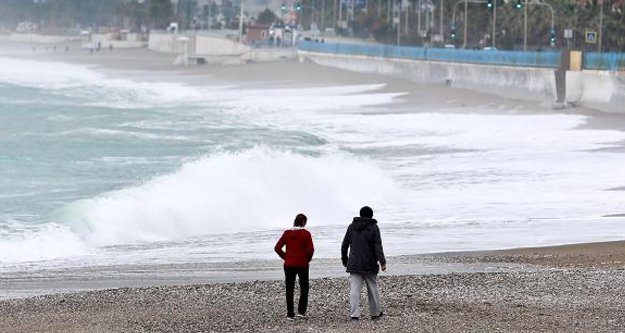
(257, 189)
(20, 243)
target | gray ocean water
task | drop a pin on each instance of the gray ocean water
(103, 169)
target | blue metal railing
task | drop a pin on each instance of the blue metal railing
(546, 59)
(604, 61)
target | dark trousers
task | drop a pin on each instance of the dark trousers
(304, 286)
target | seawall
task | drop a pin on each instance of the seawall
(217, 48)
(601, 90)
(199, 44)
(132, 41)
(43, 39)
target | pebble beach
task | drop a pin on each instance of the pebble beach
(579, 288)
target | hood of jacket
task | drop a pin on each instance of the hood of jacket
(361, 223)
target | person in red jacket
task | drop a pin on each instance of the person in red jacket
(298, 254)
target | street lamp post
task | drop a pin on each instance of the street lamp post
(553, 12)
(241, 23)
(464, 32)
(494, 37)
(340, 11)
(322, 23)
(442, 4)
(466, 10)
(399, 23)
(352, 15)
(419, 6)
(600, 26)
(406, 13)
(312, 14)
(525, 26)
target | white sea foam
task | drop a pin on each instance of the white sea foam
(257, 189)
(96, 89)
(39, 243)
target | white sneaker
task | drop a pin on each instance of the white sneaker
(302, 316)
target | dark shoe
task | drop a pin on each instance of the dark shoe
(301, 316)
(355, 318)
(378, 316)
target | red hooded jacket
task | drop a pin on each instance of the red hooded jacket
(299, 247)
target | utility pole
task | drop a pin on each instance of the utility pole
(399, 22)
(406, 19)
(525, 26)
(419, 6)
(466, 10)
(352, 14)
(340, 12)
(241, 23)
(323, 17)
(334, 13)
(600, 26)
(312, 13)
(494, 37)
(441, 18)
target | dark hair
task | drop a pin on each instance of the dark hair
(300, 220)
(366, 211)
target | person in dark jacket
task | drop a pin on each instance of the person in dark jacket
(365, 252)
(298, 254)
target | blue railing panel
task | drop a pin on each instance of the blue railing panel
(547, 59)
(604, 61)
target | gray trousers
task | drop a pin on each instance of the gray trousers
(355, 283)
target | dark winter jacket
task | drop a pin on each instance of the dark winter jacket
(299, 247)
(365, 247)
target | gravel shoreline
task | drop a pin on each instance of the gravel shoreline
(559, 295)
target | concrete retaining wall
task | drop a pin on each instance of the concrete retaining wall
(270, 54)
(215, 46)
(35, 38)
(526, 83)
(596, 89)
(164, 42)
(600, 90)
(198, 44)
(106, 40)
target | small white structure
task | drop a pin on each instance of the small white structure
(183, 57)
(173, 28)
